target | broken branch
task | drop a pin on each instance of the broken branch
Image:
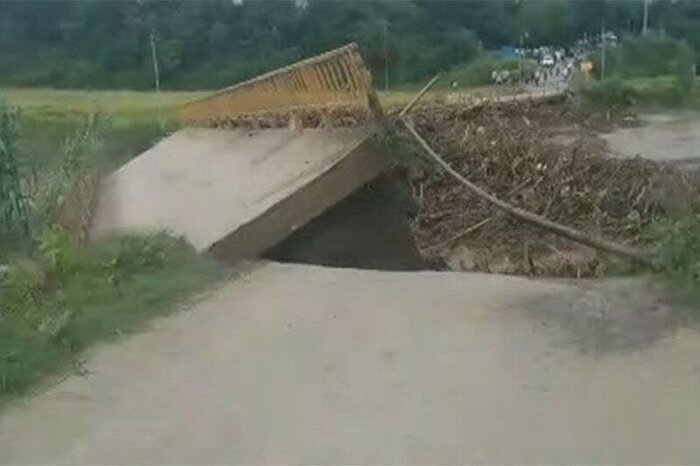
(418, 96)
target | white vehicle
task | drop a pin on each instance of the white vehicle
(547, 60)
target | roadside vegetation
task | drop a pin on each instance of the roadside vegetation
(657, 71)
(679, 255)
(478, 71)
(57, 294)
(130, 121)
(651, 70)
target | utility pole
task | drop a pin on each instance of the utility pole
(386, 55)
(602, 54)
(645, 22)
(154, 57)
(520, 58)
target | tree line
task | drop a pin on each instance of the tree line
(198, 44)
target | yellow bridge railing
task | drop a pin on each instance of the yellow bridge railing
(337, 78)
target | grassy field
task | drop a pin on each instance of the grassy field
(132, 121)
(56, 104)
(62, 104)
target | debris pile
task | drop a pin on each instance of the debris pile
(311, 117)
(517, 153)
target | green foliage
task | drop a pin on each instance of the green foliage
(550, 22)
(21, 286)
(68, 297)
(58, 251)
(134, 253)
(478, 72)
(609, 93)
(617, 93)
(14, 206)
(57, 296)
(648, 56)
(80, 149)
(79, 157)
(106, 44)
(679, 251)
(652, 69)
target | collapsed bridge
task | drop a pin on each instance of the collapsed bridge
(248, 170)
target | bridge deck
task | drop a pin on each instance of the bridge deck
(233, 191)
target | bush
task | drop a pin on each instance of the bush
(21, 286)
(59, 252)
(678, 244)
(478, 72)
(616, 93)
(14, 202)
(648, 56)
(609, 93)
(70, 295)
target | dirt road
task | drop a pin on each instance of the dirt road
(301, 364)
(669, 136)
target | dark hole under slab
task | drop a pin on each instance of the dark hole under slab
(368, 230)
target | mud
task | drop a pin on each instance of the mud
(667, 136)
(616, 315)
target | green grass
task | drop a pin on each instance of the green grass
(478, 72)
(132, 121)
(67, 297)
(58, 297)
(678, 252)
(67, 104)
(664, 91)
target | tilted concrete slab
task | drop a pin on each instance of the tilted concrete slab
(235, 192)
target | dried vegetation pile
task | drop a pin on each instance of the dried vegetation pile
(548, 160)
(312, 117)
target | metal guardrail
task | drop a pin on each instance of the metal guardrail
(337, 78)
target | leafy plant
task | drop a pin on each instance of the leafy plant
(79, 153)
(59, 251)
(14, 206)
(21, 287)
(609, 93)
(136, 253)
(679, 248)
(73, 295)
(478, 72)
(80, 148)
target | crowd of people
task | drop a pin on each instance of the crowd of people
(545, 65)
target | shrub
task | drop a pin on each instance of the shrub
(72, 295)
(21, 287)
(58, 251)
(14, 203)
(648, 56)
(679, 249)
(132, 253)
(616, 92)
(609, 93)
(478, 72)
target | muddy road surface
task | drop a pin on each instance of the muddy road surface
(664, 137)
(302, 364)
